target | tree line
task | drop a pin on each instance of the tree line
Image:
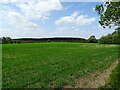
(8, 40)
(113, 38)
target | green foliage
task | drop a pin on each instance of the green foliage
(37, 65)
(109, 14)
(8, 40)
(92, 39)
(113, 38)
(48, 41)
(114, 80)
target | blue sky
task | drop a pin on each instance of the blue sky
(40, 19)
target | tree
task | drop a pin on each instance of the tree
(113, 38)
(92, 39)
(109, 39)
(116, 36)
(4, 40)
(8, 40)
(102, 40)
(109, 14)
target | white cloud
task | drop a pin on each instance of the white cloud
(20, 21)
(30, 9)
(1, 15)
(65, 21)
(7, 1)
(93, 9)
(75, 20)
(36, 9)
(40, 8)
(83, 20)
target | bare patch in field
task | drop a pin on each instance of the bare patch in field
(10, 56)
(99, 53)
(83, 45)
(105, 46)
(93, 80)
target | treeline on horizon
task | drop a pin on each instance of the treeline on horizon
(113, 38)
(8, 40)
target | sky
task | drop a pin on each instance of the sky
(49, 18)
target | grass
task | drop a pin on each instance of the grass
(114, 80)
(37, 65)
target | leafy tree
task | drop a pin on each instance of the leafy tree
(109, 13)
(110, 16)
(8, 40)
(4, 40)
(92, 39)
(116, 36)
(113, 38)
(109, 39)
(0, 40)
(102, 40)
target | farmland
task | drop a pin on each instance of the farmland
(37, 65)
(113, 80)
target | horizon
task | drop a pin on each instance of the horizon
(45, 37)
(58, 19)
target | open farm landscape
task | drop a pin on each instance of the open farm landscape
(59, 44)
(36, 65)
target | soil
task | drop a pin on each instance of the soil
(93, 80)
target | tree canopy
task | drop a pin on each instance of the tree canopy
(109, 13)
(113, 38)
(110, 16)
(8, 40)
(92, 39)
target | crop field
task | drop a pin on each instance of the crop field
(37, 65)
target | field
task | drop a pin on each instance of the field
(114, 80)
(36, 65)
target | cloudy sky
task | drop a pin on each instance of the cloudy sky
(49, 18)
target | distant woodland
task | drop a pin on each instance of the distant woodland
(113, 38)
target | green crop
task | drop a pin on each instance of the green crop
(37, 65)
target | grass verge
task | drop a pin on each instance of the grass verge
(114, 80)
